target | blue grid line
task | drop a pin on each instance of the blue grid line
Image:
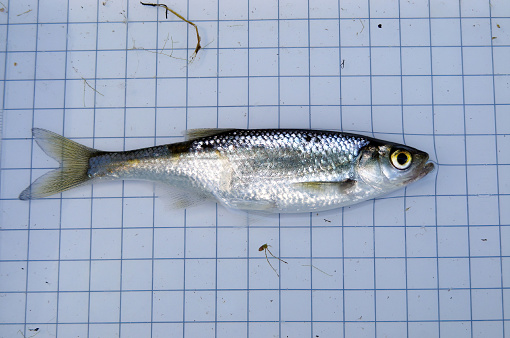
(123, 183)
(60, 195)
(465, 158)
(497, 175)
(31, 162)
(154, 192)
(437, 166)
(248, 225)
(265, 20)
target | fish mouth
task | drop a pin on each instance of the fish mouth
(423, 169)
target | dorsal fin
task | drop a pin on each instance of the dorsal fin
(193, 134)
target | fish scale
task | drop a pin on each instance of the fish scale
(269, 170)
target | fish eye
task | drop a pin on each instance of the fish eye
(401, 159)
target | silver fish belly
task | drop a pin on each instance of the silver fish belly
(266, 170)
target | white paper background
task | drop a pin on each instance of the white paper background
(111, 260)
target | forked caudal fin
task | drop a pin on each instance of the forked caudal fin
(74, 163)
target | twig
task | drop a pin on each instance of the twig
(198, 47)
(313, 266)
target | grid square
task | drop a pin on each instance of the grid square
(231, 305)
(293, 61)
(486, 304)
(500, 55)
(292, 33)
(111, 36)
(421, 273)
(20, 66)
(262, 33)
(75, 244)
(391, 329)
(13, 276)
(200, 274)
(324, 61)
(359, 304)
(415, 32)
(451, 210)
(111, 64)
(454, 304)
(414, 9)
(137, 243)
(263, 91)
(421, 242)
(42, 276)
(41, 307)
(136, 274)
(327, 305)
(73, 307)
(44, 244)
(168, 274)
(452, 241)
(472, 92)
(353, 32)
(490, 328)
(502, 89)
(453, 273)
(114, 93)
(324, 33)
(358, 242)
(480, 119)
(199, 305)
(416, 90)
(136, 306)
(12, 309)
(386, 90)
(422, 305)
(391, 305)
(233, 91)
(471, 60)
(385, 61)
(104, 306)
(450, 149)
(73, 276)
(294, 91)
(480, 149)
(387, 119)
(486, 272)
(356, 90)
(476, 32)
(359, 273)
(164, 313)
(234, 62)
(416, 61)
(355, 61)
(439, 26)
(361, 330)
(483, 210)
(456, 329)
(446, 61)
(393, 242)
(387, 36)
(485, 183)
(22, 37)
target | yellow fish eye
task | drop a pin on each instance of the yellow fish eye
(401, 159)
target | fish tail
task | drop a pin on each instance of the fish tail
(74, 164)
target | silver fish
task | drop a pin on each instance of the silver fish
(266, 170)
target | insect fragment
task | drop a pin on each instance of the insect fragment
(265, 248)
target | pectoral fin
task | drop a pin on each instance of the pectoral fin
(320, 186)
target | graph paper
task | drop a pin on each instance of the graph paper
(113, 260)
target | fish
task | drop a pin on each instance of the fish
(260, 170)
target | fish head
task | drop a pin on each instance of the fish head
(388, 166)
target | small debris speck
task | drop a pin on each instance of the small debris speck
(379, 25)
